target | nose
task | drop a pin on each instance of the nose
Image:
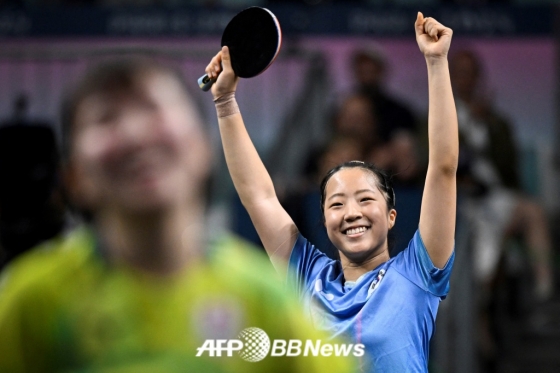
(136, 126)
(353, 212)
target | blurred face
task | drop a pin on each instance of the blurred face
(138, 151)
(368, 72)
(356, 119)
(464, 75)
(406, 157)
(356, 214)
(338, 152)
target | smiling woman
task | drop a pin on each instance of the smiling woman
(358, 208)
(388, 304)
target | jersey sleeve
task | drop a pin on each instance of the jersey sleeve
(415, 264)
(306, 261)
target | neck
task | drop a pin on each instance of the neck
(162, 242)
(354, 269)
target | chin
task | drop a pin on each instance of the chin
(359, 252)
(354, 252)
(358, 256)
(146, 201)
(146, 206)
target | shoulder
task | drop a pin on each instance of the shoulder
(306, 260)
(242, 262)
(415, 254)
(232, 251)
(45, 264)
(415, 264)
(304, 248)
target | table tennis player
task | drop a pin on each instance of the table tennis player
(388, 304)
(142, 287)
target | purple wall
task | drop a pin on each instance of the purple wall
(521, 78)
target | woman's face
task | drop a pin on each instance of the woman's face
(138, 151)
(356, 214)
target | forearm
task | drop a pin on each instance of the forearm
(249, 175)
(443, 132)
(251, 179)
(437, 215)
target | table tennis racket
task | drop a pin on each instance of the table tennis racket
(253, 37)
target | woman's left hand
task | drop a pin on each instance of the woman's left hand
(433, 38)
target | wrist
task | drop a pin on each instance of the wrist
(436, 60)
(226, 105)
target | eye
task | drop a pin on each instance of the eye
(366, 199)
(148, 104)
(106, 117)
(335, 204)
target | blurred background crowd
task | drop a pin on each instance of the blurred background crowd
(329, 98)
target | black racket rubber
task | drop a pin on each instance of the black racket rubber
(254, 38)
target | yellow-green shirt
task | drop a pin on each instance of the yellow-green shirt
(63, 308)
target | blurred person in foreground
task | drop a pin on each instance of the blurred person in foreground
(143, 286)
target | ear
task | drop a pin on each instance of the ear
(392, 218)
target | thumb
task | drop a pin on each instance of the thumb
(226, 59)
(419, 24)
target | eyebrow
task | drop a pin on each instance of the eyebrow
(365, 190)
(357, 192)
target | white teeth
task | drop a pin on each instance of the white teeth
(355, 230)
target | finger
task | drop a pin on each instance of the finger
(214, 67)
(440, 28)
(226, 59)
(434, 34)
(419, 24)
(433, 28)
(208, 69)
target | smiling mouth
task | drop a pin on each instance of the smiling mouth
(355, 231)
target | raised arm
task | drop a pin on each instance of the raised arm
(276, 229)
(439, 201)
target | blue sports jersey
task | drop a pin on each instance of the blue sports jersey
(391, 309)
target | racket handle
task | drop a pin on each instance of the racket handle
(204, 82)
